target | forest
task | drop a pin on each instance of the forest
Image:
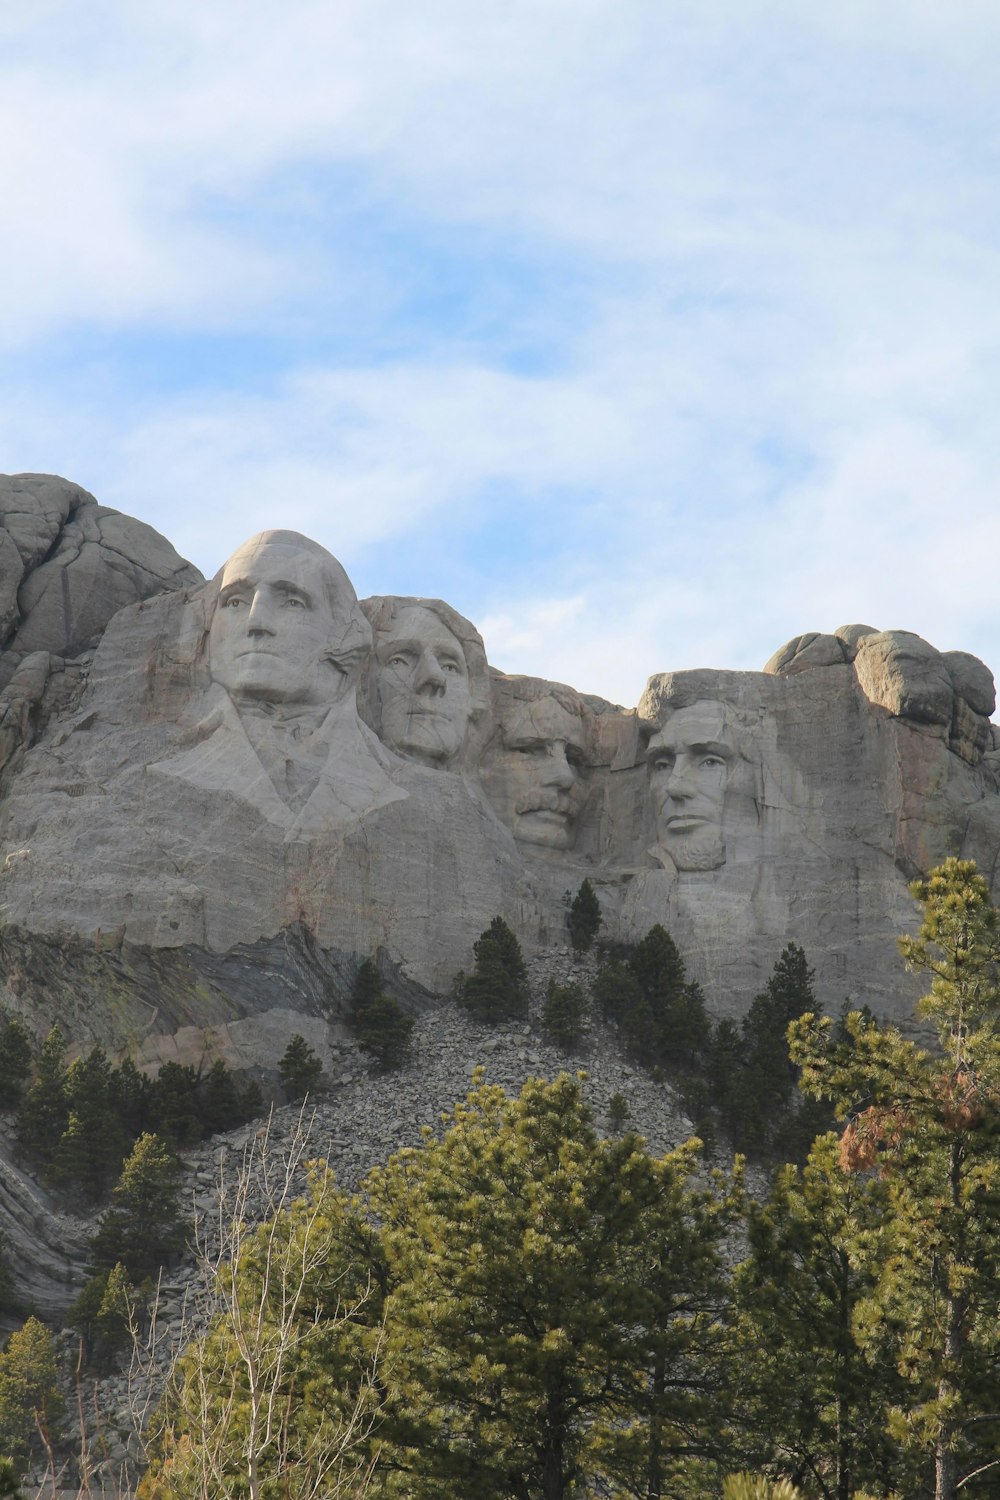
(530, 1304)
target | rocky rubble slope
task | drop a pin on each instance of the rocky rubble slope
(359, 1120)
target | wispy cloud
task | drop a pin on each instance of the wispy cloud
(647, 334)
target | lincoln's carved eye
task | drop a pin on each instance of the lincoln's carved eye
(713, 760)
(663, 763)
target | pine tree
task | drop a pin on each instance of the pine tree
(928, 1122)
(90, 1151)
(8, 1290)
(615, 990)
(15, 1061)
(564, 1013)
(667, 1024)
(29, 1389)
(299, 1068)
(573, 1287)
(221, 1105)
(812, 1402)
(378, 1020)
(497, 988)
(44, 1115)
(174, 1104)
(754, 1078)
(143, 1228)
(385, 1030)
(618, 1112)
(584, 919)
(134, 1093)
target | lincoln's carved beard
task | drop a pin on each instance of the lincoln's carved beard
(701, 850)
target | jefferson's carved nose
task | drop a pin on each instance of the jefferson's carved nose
(429, 676)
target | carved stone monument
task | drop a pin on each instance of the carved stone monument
(260, 765)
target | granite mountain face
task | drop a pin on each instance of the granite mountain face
(218, 797)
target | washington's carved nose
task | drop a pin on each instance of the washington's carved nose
(258, 619)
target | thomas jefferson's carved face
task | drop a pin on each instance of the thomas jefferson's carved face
(538, 777)
(689, 762)
(422, 686)
(273, 627)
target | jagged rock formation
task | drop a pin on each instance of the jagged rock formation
(262, 755)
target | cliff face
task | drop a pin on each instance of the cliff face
(252, 784)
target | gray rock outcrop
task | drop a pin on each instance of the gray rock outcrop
(261, 755)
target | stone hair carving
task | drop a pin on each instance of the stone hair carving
(427, 683)
(535, 768)
(698, 762)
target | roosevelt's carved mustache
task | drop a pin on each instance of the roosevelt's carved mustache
(545, 801)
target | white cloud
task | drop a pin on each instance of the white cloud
(776, 408)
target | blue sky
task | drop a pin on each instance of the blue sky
(647, 334)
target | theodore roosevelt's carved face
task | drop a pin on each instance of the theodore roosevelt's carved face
(422, 687)
(537, 775)
(689, 763)
(274, 626)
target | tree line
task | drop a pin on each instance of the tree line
(524, 1307)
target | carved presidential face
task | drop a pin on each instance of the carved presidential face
(422, 687)
(689, 763)
(536, 775)
(273, 630)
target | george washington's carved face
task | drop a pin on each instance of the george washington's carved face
(274, 628)
(689, 762)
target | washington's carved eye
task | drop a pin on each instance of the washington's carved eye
(451, 666)
(233, 602)
(293, 603)
(575, 758)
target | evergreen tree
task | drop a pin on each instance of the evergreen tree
(90, 1151)
(44, 1115)
(367, 986)
(385, 1030)
(928, 1123)
(378, 1020)
(299, 1068)
(29, 1390)
(134, 1093)
(497, 988)
(618, 1112)
(10, 1488)
(754, 1078)
(15, 1061)
(584, 919)
(573, 1285)
(564, 1013)
(812, 1402)
(102, 1316)
(221, 1105)
(615, 990)
(666, 1023)
(143, 1228)
(173, 1104)
(8, 1291)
